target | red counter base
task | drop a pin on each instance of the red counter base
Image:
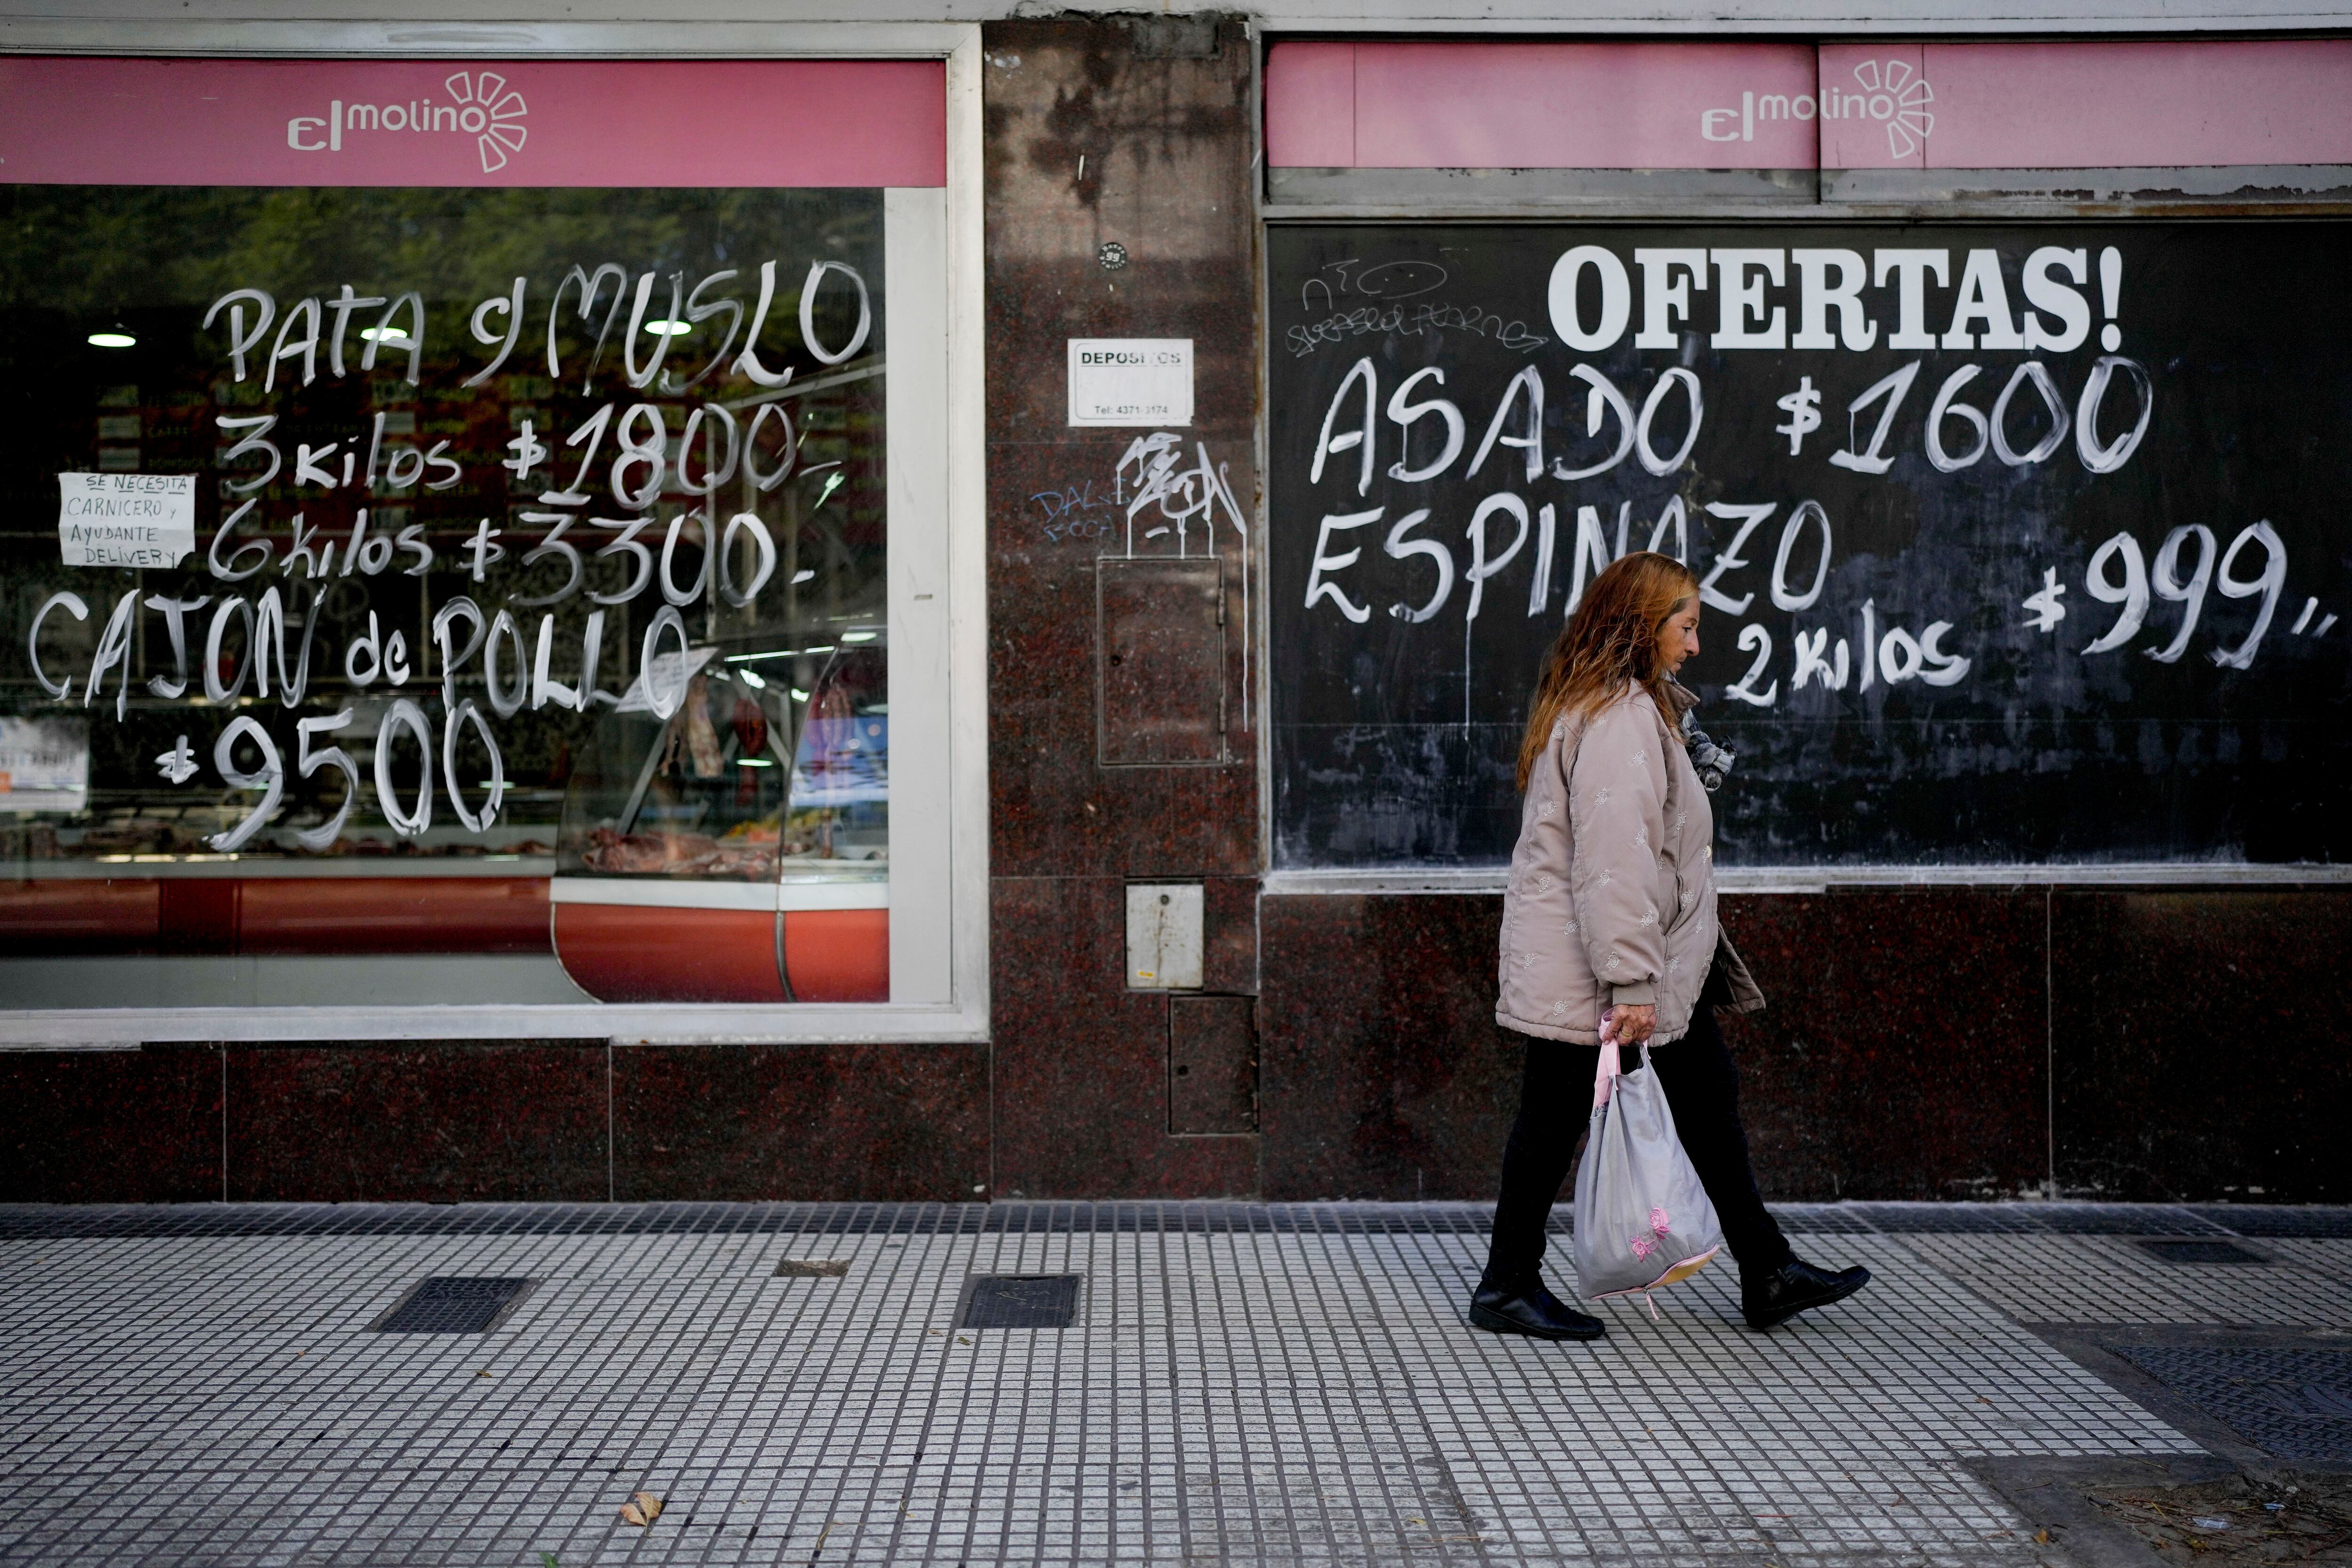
(838, 955)
(616, 952)
(270, 915)
(632, 952)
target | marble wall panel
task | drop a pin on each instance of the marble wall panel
(1119, 205)
(2204, 1045)
(1905, 1052)
(141, 1126)
(834, 1122)
(436, 1122)
(1382, 1071)
(1081, 1062)
(1097, 139)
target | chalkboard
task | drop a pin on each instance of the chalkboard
(2020, 544)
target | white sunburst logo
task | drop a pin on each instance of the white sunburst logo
(481, 106)
(493, 115)
(1894, 94)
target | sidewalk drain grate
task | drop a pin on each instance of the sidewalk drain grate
(2176, 1249)
(453, 1304)
(2294, 1403)
(1019, 1301)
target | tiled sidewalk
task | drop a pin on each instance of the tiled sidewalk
(1241, 1385)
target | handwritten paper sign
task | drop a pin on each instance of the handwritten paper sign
(126, 519)
(44, 764)
(1131, 381)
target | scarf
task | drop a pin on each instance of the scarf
(1710, 761)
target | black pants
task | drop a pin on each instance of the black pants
(1555, 1105)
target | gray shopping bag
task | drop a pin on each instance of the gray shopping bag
(1642, 1220)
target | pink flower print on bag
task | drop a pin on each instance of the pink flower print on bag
(1659, 1222)
(1642, 1245)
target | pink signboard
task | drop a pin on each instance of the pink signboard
(2064, 105)
(1540, 106)
(755, 123)
(2122, 106)
(1310, 106)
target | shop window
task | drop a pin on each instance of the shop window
(423, 594)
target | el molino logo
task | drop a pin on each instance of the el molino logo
(480, 105)
(1890, 92)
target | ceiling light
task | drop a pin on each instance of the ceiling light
(117, 336)
(751, 679)
(670, 328)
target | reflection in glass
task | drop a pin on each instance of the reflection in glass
(538, 553)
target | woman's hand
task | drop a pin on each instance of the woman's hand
(1628, 1025)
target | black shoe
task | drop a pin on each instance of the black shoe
(1530, 1310)
(1795, 1286)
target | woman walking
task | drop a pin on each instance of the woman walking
(1609, 923)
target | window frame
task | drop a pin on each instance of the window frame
(937, 571)
(2034, 197)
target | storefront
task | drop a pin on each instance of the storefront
(1980, 382)
(842, 611)
(493, 637)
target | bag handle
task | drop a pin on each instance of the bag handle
(1611, 1065)
(1609, 1069)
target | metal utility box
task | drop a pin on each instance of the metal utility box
(1163, 936)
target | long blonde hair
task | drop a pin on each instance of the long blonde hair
(1610, 643)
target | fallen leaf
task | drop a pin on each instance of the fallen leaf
(2042, 1537)
(813, 1268)
(641, 1509)
(484, 1372)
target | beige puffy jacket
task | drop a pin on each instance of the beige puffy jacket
(1612, 892)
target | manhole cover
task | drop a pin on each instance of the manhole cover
(2295, 1403)
(2178, 1249)
(453, 1304)
(1019, 1301)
